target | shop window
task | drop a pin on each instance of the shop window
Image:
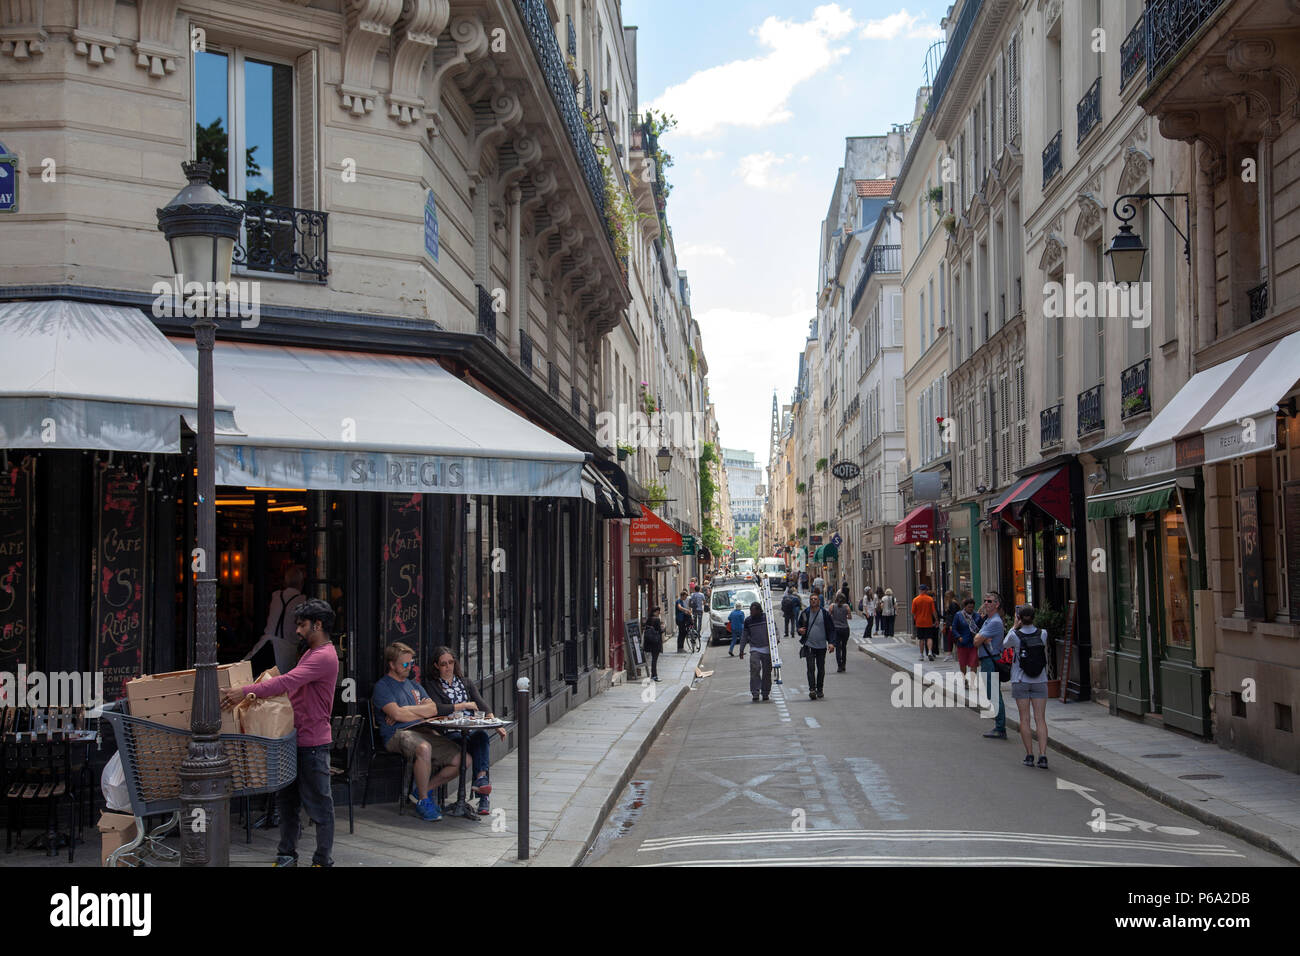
(1176, 584)
(1282, 717)
(1238, 704)
(1282, 565)
(1238, 482)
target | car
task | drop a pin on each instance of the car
(723, 601)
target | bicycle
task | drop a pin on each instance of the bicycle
(692, 639)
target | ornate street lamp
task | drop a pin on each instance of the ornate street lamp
(201, 227)
(1127, 253)
(665, 459)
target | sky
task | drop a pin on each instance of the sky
(764, 94)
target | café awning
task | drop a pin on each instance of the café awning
(1049, 491)
(650, 535)
(917, 527)
(1131, 501)
(817, 555)
(1223, 412)
(622, 505)
(348, 421)
(92, 376)
(830, 552)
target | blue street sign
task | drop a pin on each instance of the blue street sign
(837, 540)
(431, 226)
(8, 180)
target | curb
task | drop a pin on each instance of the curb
(1255, 837)
(624, 778)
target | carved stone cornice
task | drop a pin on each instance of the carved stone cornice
(93, 36)
(1091, 215)
(367, 28)
(495, 119)
(1206, 126)
(22, 28)
(544, 184)
(525, 152)
(417, 34)
(1137, 170)
(1053, 256)
(154, 51)
(469, 44)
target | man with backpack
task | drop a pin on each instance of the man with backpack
(791, 605)
(988, 647)
(1029, 681)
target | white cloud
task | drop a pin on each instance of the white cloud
(709, 155)
(755, 93)
(697, 250)
(901, 23)
(757, 171)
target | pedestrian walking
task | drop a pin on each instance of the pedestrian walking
(760, 659)
(683, 621)
(819, 584)
(736, 625)
(868, 608)
(815, 631)
(888, 612)
(840, 615)
(791, 605)
(880, 624)
(1029, 681)
(652, 640)
(963, 630)
(803, 580)
(950, 611)
(310, 686)
(925, 618)
(988, 643)
(697, 609)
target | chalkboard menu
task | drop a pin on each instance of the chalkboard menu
(1291, 510)
(1071, 612)
(16, 565)
(1252, 554)
(121, 559)
(402, 571)
(635, 656)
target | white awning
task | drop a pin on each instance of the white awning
(85, 375)
(349, 421)
(1223, 412)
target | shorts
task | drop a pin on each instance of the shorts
(1021, 690)
(927, 633)
(968, 657)
(442, 752)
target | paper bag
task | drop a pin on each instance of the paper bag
(267, 716)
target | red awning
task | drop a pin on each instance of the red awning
(651, 535)
(1049, 491)
(918, 526)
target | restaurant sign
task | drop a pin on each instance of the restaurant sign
(650, 536)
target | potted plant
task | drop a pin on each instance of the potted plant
(950, 222)
(625, 451)
(821, 464)
(935, 196)
(1051, 620)
(1137, 402)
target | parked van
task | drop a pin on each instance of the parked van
(774, 570)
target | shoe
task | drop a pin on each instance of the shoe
(1042, 762)
(414, 795)
(429, 810)
(840, 671)
(947, 659)
(729, 654)
(658, 680)
(1029, 760)
(485, 787)
(283, 861)
(765, 697)
(812, 695)
(756, 698)
(820, 695)
(931, 657)
(484, 807)
(996, 735)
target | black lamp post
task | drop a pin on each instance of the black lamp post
(201, 227)
(665, 460)
(1127, 253)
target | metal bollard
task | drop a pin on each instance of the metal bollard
(521, 710)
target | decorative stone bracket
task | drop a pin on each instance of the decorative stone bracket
(22, 28)
(154, 51)
(368, 26)
(418, 29)
(93, 36)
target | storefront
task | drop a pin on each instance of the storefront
(920, 537)
(964, 560)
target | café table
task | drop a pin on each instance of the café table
(445, 725)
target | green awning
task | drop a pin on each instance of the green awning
(830, 552)
(1118, 505)
(817, 555)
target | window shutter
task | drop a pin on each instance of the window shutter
(1013, 88)
(999, 80)
(305, 73)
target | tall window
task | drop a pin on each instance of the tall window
(921, 322)
(1053, 92)
(932, 330)
(896, 305)
(943, 296)
(899, 396)
(1059, 345)
(1098, 270)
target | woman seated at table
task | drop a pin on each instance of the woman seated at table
(452, 687)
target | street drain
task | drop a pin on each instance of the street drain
(1201, 776)
(1159, 756)
(631, 812)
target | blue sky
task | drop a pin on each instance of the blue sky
(764, 94)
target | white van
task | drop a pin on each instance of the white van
(774, 570)
(745, 568)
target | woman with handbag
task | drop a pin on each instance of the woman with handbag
(840, 614)
(652, 640)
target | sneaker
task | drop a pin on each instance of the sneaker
(820, 695)
(996, 735)
(1042, 762)
(482, 786)
(429, 810)
(765, 697)
(283, 861)
(729, 654)
(812, 695)
(756, 698)
(658, 680)
(1029, 760)
(931, 657)
(484, 808)
(414, 795)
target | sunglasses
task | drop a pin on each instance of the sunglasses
(408, 665)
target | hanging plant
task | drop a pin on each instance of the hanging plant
(935, 196)
(821, 464)
(950, 222)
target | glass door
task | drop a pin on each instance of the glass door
(1152, 610)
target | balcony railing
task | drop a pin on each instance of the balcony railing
(969, 12)
(553, 380)
(575, 402)
(1135, 395)
(487, 316)
(1092, 414)
(1049, 426)
(879, 259)
(591, 417)
(526, 351)
(1169, 25)
(541, 36)
(586, 92)
(1052, 158)
(1258, 302)
(1089, 110)
(572, 35)
(1133, 51)
(283, 239)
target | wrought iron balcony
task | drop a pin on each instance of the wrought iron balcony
(553, 380)
(1169, 25)
(1049, 426)
(541, 36)
(879, 259)
(1089, 110)
(1052, 158)
(575, 402)
(591, 417)
(1133, 51)
(526, 351)
(970, 11)
(1258, 302)
(283, 240)
(487, 316)
(573, 35)
(1135, 395)
(586, 92)
(1092, 412)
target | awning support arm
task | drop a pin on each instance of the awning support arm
(1187, 525)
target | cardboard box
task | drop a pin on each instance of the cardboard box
(168, 698)
(115, 830)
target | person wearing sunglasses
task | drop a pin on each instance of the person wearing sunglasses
(401, 706)
(451, 688)
(988, 647)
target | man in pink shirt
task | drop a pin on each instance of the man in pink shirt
(310, 687)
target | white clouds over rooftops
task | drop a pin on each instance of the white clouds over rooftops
(902, 22)
(757, 171)
(693, 250)
(755, 93)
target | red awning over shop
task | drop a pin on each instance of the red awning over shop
(1049, 491)
(916, 527)
(651, 535)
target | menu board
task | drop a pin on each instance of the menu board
(1252, 554)
(121, 556)
(402, 570)
(16, 565)
(635, 656)
(1291, 512)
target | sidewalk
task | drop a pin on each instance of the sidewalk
(1254, 801)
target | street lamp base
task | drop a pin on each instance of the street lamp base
(206, 785)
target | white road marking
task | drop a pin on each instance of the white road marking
(812, 722)
(875, 786)
(901, 861)
(1085, 792)
(746, 789)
